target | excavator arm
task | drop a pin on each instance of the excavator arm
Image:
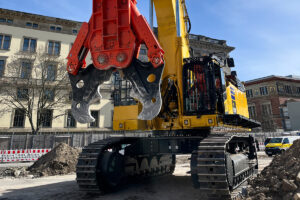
(113, 37)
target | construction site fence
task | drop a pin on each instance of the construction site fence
(13, 141)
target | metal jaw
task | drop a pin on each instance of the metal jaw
(86, 90)
(145, 80)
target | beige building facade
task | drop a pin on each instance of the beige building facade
(32, 34)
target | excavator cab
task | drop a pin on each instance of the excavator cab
(202, 87)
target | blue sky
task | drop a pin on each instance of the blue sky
(266, 33)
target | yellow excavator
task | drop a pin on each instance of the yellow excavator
(179, 104)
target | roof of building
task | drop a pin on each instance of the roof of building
(60, 21)
(292, 78)
(41, 18)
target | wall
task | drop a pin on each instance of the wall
(294, 114)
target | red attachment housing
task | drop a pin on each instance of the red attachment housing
(113, 36)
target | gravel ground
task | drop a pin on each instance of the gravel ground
(22, 164)
(176, 187)
(263, 160)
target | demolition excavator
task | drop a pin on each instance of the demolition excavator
(179, 104)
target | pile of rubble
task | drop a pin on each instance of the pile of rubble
(281, 179)
(61, 160)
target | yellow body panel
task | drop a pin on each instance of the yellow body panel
(190, 122)
(280, 145)
(125, 118)
(187, 122)
(236, 101)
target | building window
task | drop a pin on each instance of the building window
(55, 28)
(298, 90)
(288, 89)
(52, 28)
(284, 112)
(249, 93)
(9, 21)
(268, 125)
(19, 118)
(75, 31)
(29, 24)
(29, 44)
(287, 124)
(49, 94)
(266, 109)
(5, 42)
(263, 91)
(280, 88)
(2, 67)
(54, 48)
(32, 25)
(95, 115)
(4, 20)
(22, 93)
(46, 118)
(252, 112)
(51, 72)
(25, 70)
(71, 122)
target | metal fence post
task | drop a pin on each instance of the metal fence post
(72, 141)
(53, 141)
(26, 141)
(84, 134)
(11, 140)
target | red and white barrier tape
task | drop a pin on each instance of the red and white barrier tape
(21, 155)
(261, 146)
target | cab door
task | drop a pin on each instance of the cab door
(286, 143)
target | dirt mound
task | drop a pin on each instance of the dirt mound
(61, 160)
(281, 179)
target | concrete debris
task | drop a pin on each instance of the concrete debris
(296, 196)
(288, 186)
(298, 179)
(60, 160)
(279, 180)
(13, 172)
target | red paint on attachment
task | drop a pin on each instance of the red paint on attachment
(113, 36)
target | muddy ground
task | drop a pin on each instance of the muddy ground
(176, 187)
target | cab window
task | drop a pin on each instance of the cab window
(276, 140)
(286, 141)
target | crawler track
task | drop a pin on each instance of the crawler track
(218, 168)
(91, 166)
(212, 170)
(87, 166)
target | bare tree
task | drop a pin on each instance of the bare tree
(35, 85)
